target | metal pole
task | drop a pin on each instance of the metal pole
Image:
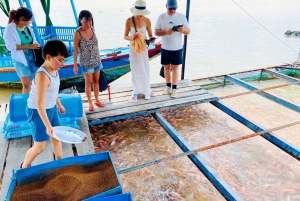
(74, 12)
(185, 40)
(34, 26)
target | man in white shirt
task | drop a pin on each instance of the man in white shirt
(171, 26)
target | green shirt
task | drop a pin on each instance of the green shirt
(25, 37)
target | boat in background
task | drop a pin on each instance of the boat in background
(115, 64)
(115, 61)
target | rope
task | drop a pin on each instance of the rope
(264, 27)
(258, 90)
(195, 151)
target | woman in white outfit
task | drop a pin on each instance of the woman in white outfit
(139, 64)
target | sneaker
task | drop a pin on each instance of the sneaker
(147, 97)
(174, 93)
(167, 91)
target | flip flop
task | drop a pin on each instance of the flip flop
(91, 108)
(99, 104)
(132, 100)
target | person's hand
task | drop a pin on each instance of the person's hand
(152, 41)
(61, 109)
(49, 130)
(34, 46)
(134, 36)
(180, 29)
(169, 31)
(75, 69)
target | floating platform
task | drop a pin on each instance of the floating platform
(188, 93)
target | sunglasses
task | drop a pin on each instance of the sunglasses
(23, 32)
(60, 62)
(172, 8)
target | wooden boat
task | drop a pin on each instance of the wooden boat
(114, 65)
(115, 61)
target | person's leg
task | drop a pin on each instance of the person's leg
(25, 84)
(36, 149)
(88, 79)
(167, 73)
(96, 76)
(57, 148)
(175, 74)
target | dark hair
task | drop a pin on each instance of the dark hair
(87, 14)
(55, 47)
(15, 15)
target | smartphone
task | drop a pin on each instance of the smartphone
(175, 28)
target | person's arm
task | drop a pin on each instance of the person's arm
(185, 31)
(75, 46)
(11, 43)
(127, 30)
(159, 32)
(42, 82)
(60, 107)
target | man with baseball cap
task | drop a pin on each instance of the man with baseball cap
(171, 26)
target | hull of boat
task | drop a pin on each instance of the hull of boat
(114, 67)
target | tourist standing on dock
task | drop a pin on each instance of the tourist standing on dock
(171, 26)
(136, 28)
(86, 42)
(43, 103)
(21, 43)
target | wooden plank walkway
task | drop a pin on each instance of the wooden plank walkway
(187, 92)
(12, 152)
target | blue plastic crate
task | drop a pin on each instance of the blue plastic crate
(39, 172)
(122, 197)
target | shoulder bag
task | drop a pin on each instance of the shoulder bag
(37, 53)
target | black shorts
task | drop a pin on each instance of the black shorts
(173, 57)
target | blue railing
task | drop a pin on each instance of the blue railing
(49, 32)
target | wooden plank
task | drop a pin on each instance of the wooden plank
(3, 142)
(153, 100)
(16, 154)
(158, 105)
(183, 92)
(86, 147)
(123, 96)
(154, 87)
(46, 156)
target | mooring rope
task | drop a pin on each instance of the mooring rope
(195, 151)
(264, 27)
(257, 90)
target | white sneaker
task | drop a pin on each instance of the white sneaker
(167, 91)
(174, 93)
(147, 97)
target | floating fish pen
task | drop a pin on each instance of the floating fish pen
(238, 141)
(228, 137)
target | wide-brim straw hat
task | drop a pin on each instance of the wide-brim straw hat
(139, 8)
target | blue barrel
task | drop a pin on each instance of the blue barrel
(17, 105)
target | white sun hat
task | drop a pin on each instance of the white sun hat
(139, 8)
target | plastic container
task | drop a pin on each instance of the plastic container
(122, 197)
(39, 172)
